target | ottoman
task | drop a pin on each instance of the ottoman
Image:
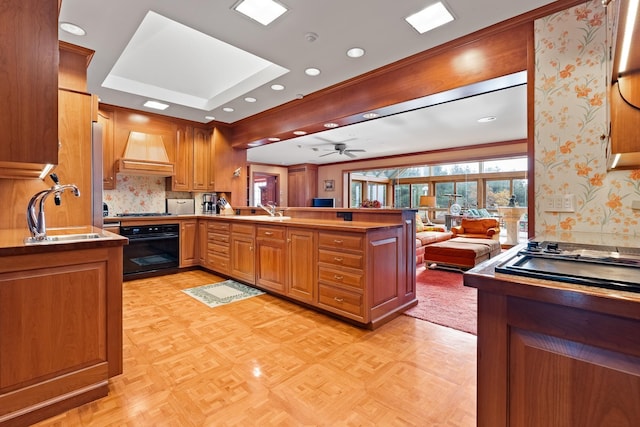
(461, 252)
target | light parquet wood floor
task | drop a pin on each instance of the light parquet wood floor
(267, 362)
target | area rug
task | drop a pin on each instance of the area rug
(217, 294)
(444, 300)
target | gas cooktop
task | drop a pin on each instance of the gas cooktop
(593, 265)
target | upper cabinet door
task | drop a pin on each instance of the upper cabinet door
(29, 86)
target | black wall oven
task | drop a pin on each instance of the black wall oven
(152, 250)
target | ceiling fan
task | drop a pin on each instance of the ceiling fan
(342, 149)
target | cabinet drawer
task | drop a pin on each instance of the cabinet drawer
(218, 249)
(341, 301)
(218, 262)
(341, 278)
(218, 238)
(221, 227)
(341, 241)
(243, 229)
(271, 232)
(342, 259)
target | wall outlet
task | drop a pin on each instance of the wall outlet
(635, 205)
(561, 203)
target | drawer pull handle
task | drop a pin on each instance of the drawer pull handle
(337, 259)
(268, 233)
(338, 299)
(339, 242)
(337, 277)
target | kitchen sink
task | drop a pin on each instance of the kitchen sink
(66, 238)
(262, 217)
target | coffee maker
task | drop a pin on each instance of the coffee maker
(209, 203)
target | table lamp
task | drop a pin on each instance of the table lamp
(428, 202)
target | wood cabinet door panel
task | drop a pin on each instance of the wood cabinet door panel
(559, 382)
(301, 265)
(52, 321)
(271, 263)
(243, 264)
(188, 243)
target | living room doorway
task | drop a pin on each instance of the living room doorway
(266, 189)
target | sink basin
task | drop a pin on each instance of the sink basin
(65, 238)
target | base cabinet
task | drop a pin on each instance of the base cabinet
(301, 264)
(189, 243)
(243, 259)
(542, 363)
(355, 275)
(271, 261)
(61, 329)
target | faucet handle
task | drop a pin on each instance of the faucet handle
(55, 179)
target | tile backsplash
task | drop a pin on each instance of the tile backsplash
(135, 194)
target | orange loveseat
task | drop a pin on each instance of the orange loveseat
(480, 228)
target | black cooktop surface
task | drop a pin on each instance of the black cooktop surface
(593, 265)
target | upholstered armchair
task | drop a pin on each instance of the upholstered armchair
(479, 228)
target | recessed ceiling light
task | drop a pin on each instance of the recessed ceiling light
(312, 72)
(263, 11)
(156, 105)
(72, 29)
(486, 119)
(228, 109)
(299, 132)
(274, 139)
(331, 125)
(429, 18)
(277, 87)
(370, 115)
(209, 117)
(250, 99)
(355, 52)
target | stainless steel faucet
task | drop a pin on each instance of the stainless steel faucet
(36, 223)
(270, 208)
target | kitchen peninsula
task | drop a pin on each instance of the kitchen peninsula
(356, 264)
(555, 352)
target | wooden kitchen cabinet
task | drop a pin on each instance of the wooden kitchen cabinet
(29, 87)
(301, 264)
(243, 259)
(201, 159)
(61, 329)
(271, 258)
(188, 243)
(341, 273)
(203, 241)
(302, 184)
(105, 118)
(219, 247)
(183, 162)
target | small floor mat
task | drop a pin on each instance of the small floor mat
(221, 293)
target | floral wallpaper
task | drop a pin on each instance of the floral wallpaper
(571, 124)
(135, 194)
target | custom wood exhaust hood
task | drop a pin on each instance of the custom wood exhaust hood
(145, 154)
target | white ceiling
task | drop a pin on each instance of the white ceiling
(378, 26)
